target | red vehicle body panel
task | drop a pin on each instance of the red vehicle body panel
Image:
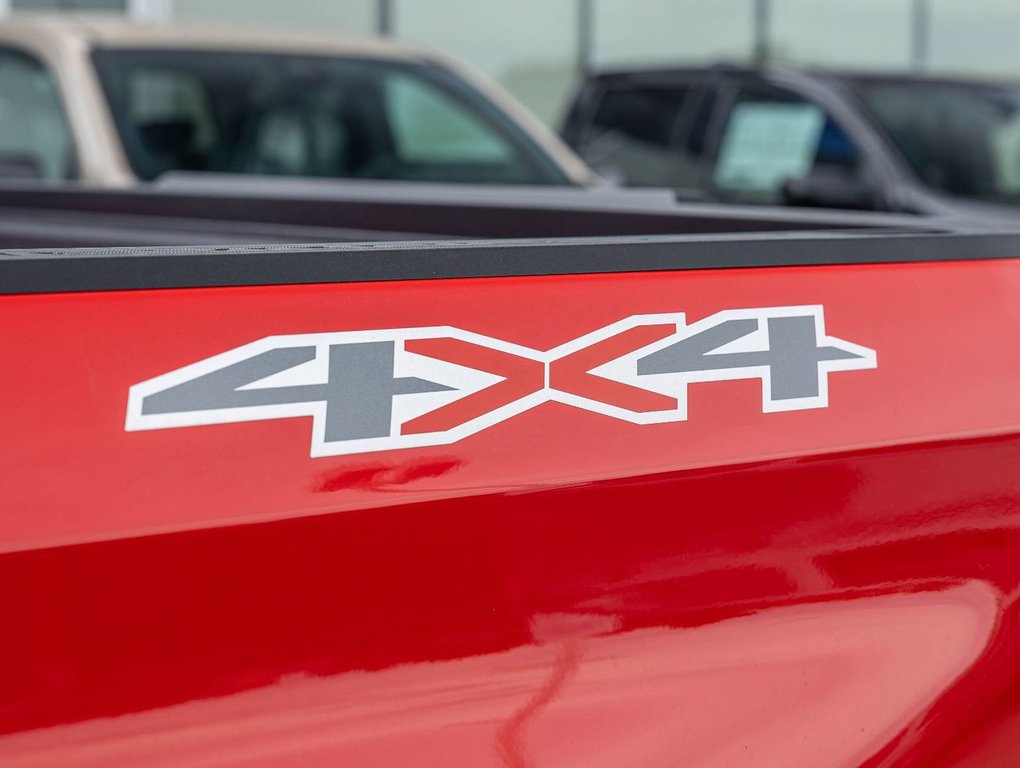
(834, 586)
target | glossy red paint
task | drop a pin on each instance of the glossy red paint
(824, 587)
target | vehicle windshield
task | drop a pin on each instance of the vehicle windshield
(316, 116)
(960, 138)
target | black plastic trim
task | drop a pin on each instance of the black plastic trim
(77, 270)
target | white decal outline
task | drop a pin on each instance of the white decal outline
(467, 381)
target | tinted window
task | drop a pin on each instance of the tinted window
(641, 136)
(963, 139)
(646, 115)
(35, 141)
(311, 116)
(772, 136)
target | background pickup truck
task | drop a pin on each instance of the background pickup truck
(108, 103)
(812, 137)
(744, 495)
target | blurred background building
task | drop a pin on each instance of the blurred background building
(538, 48)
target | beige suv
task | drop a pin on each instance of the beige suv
(111, 103)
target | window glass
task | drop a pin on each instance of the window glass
(772, 136)
(961, 138)
(648, 136)
(172, 119)
(35, 141)
(429, 128)
(766, 143)
(316, 116)
(645, 115)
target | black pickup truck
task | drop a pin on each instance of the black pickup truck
(909, 144)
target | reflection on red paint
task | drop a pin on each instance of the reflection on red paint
(383, 477)
(804, 685)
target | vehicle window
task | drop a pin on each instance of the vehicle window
(313, 116)
(35, 141)
(173, 127)
(960, 138)
(636, 137)
(429, 128)
(772, 136)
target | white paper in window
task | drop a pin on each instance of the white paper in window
(766, 144)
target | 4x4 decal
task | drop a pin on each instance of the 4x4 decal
(400, 388)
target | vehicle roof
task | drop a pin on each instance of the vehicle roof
(107, 31)
(665, 74)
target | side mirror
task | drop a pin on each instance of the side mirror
(829, 188)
